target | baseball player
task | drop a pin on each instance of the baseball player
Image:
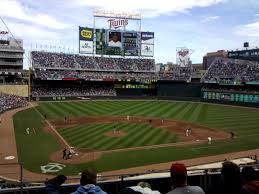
(28, 131)
(187, 132)
(128, 118)
(209, 140)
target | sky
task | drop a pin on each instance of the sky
(200, 25)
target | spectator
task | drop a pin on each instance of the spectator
(179, 179)
(53, 185)
(9, 101)
(250, 185)
(88, 184)
(142, 187)
(230, 180)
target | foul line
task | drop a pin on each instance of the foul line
(51, 126)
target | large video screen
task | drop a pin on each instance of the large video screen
(124, 43)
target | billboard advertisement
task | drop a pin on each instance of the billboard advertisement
(130, 43)
(147, 37)
(86, 37)
(147, 50)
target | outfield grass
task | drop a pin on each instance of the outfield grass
(242, 121)
(92, 136)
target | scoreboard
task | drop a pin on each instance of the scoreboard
(116, 42)
(130, 44)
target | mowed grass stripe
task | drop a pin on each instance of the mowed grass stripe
(135, 138)
(94, 139)
(121, 143)
(107, 107)
(194, 116)
(139, 110)
(83, 128)
(70, 109)
(173, 110)
(90, 136)
(83, 134)
(68, 131)
(149, 135)
(178, 110)
(189, 112)
(104, 140)
(113, 143)
(83, 131)
(145, 111)
(160, 108)
(88, 109)
(163, 137)
(135, 135)
(130, 108)
(184, 111)
(53, 110)
(165, 110)
(202, 116)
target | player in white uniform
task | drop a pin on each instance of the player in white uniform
(209, 140)
(28, 131)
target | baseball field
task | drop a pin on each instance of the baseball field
(119, 134)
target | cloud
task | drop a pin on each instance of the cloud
(250, 30)
(148, 8)
(15, 10)
(257, 15)
(210, 18)
(31, 32)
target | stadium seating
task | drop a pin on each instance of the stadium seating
(93, 75)
(86, 91)
(177, 73)
(8, 101)
(47, 60)
(234, 70)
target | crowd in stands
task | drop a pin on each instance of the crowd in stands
(232, 182)
(243, 90)
(89, 75)
(75, 91)
(177, 73)
(8, 101)
(61, 61)
(237, 70)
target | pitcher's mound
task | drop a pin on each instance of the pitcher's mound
(115, 133)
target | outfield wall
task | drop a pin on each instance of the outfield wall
(178, 89)
(19, 90)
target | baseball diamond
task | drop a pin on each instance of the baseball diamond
(88, 121)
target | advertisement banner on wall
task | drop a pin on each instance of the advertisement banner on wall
(147, 50)
(147, 37)
(86, 37)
